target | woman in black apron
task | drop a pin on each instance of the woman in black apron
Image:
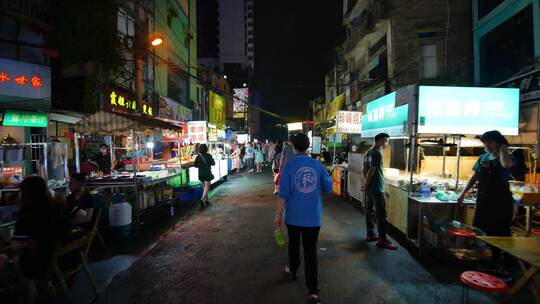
(494, 203)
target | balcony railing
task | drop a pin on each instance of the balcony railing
(375, 11)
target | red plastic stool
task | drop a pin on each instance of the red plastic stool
(481, 281)
(461, 232)
(535, 232)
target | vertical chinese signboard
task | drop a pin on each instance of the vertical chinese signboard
(349, 122)
(336, 181)
(240, 101)
(197, 131)
(217, 109)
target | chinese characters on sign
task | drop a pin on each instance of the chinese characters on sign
(120, 103)
(382, 115)
(349, 122)
(197, 131)
(467, 110)
(24, 119)
(22, 80)
(25, 80)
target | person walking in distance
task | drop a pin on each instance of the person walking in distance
(276, 162)
(374, 187)
(303, 179)
(204, 162)
(259, 157)
(288, 152)
(250, 157)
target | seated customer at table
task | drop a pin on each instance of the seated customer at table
(41, 226)
(80, 203)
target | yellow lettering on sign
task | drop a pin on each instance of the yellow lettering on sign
(150, 111)
(134, 105)
(144, 109)
(113, 98)
(121, 101)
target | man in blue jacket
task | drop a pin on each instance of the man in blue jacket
(303, 179)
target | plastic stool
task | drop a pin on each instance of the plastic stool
(480, 281)
(535, 232)
(461, 233)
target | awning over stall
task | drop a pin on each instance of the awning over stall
(335, 106)
(105, 122)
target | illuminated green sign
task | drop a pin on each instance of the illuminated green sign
(24, 119)
(383, 116)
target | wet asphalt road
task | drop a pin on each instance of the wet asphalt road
(227, 254)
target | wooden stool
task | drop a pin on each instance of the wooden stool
(481, 281)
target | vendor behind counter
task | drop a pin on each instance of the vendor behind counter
(494, 203)
(102, 159)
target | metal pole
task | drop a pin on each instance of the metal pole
(458, 155)
(135, 146)
(77, 154)
(111, 150)
(45, 162)
(180, 155)
(138, 50)
(66, 173)
(334, 157)
(444, 158)
(412, 161)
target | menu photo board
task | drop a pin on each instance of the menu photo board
(467, 110)
(384, 117)
(197, 132)
(240, 102)
(349, 122)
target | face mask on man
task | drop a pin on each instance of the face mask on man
(103, 151)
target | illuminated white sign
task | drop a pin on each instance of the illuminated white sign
(295, 126)
(349, 122)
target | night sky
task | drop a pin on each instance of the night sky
(294, 48)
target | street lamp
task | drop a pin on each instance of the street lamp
(244, 84)
(156, 41)
(225, 76)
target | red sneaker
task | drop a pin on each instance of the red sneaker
(386, 244)
(371, 238)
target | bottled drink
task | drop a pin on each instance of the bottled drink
(280, 238)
